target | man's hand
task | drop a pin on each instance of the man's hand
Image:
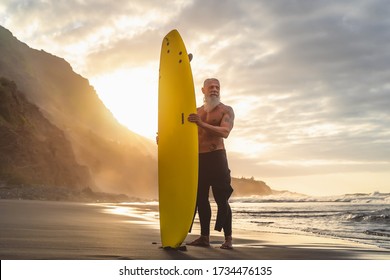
(194, 118)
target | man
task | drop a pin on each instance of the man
(215, 121)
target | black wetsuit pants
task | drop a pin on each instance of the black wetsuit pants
(214, 172)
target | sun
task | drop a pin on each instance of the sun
(131, 95)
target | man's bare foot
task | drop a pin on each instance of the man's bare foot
(228, 244)
(202, 241)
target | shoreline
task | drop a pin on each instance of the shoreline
(109, 231)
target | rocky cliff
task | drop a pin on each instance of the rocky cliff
(118, 160)
(33, 150)
(247, 187)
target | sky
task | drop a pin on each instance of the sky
(309, 80)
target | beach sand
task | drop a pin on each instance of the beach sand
(64, 230)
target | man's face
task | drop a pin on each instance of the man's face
(211, 88)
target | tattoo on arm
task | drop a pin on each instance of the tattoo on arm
(229, 117)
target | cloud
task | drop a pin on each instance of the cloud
(125, 53)
(96, 31)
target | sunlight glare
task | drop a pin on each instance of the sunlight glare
(131, 95)
(248, 147)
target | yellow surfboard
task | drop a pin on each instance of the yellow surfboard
(178, 142)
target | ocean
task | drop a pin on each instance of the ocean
(362, 218)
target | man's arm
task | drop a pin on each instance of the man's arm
(223, 130)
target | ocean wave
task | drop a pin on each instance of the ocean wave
(378, 232)
(359, 198)
(379, 216)
(365, 222)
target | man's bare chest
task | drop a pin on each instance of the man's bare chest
(213, 118)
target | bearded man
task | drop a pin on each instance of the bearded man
(215, 121)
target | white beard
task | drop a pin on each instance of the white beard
(210, 102)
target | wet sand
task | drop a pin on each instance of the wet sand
(64, 230)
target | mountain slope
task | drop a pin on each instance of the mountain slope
(34, 151)
(246, 187)
(118, 160)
